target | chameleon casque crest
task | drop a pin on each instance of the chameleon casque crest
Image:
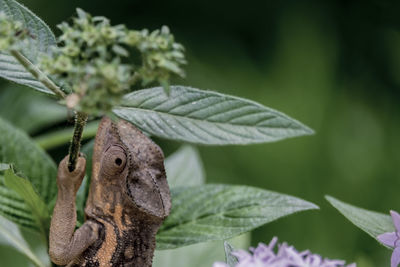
(128, 200)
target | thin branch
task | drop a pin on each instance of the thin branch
(80, 122)
(37, 73)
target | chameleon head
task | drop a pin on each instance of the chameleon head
(128, 170)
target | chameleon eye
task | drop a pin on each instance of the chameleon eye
(118, 161)
(114, 160)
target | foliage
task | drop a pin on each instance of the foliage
(38, 112)
(96, 65)
(36, 205)
(205, 117)
(18, 149)
(13, 237)
(219, 212)
(231, 260)
(184, 163)
(373, 223)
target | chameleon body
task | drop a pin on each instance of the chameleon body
(128, 200)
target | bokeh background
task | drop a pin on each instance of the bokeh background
(333, 65)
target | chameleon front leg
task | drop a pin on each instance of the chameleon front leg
(66, 244)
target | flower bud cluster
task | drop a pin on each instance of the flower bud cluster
(100, 62)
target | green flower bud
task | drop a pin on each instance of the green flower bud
(90, 35)
(63, 64)
(108, 32)
(71, 50)
(109, 72)
(162, 42)
(132, 38)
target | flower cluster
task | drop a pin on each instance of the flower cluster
(392, 239)
(11, 32)
(99, 62)
(286, 256)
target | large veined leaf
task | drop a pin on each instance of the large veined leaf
(40, 42)
(11, 235)
(36, 205)
(18, 149)
(184, 168)
(38, 109)
(218, 212)
(13, 207)
(373, 223)
(205, 117)
(197, 255)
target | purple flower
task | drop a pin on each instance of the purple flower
(392, 239)
(286, 256)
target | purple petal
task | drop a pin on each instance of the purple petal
(388, 239)
(395, 261)
(273, 242)
(264, 256)
(220, 264)
(396, 219)
(241, 255)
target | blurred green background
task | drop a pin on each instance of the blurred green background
(333, 65)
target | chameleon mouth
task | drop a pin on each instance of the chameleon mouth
(147, 196)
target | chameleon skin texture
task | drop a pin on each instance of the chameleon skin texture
(128, 200)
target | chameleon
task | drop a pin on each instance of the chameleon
(128, 200)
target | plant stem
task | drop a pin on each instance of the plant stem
(37, 73)
(60, 137)
(80, 122)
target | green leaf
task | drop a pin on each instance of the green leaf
(36, 205)
(230, 259)
(13, 207)
(198, 255)
(205, 117)
(18, 149)
(218, 212)
(63, 136)
(38, 110)
(371, 222)
(41, 42)
(13, 237)
(184, 168)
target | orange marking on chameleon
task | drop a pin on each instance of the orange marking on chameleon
(106, 251)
